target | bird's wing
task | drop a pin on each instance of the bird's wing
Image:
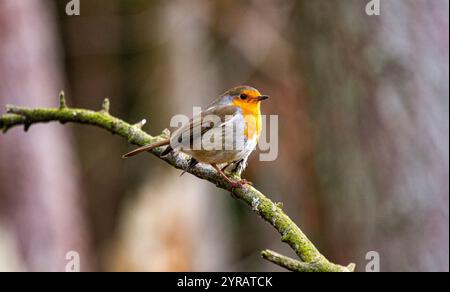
(214, 117)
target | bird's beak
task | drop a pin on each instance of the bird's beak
(262, 97)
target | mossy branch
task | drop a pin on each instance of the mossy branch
(310, 258)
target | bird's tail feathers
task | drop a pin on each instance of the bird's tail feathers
(146, 148)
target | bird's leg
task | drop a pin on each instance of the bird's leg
(233, 184)
(222, 174)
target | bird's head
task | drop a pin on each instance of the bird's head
(245, 95)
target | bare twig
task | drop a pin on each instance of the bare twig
(299, 266)
(311, 259)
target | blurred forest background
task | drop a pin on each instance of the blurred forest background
(363, 105)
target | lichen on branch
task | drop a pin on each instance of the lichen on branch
(310, 259)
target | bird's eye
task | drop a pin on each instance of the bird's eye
(243, 96)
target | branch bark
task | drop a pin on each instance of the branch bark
(310, 258)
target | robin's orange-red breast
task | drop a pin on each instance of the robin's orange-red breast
(235, 118)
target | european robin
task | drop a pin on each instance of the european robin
(237, 111)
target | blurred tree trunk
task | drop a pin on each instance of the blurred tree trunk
(191, 237)
(379, 94)
(92, 45)
(39, 195)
